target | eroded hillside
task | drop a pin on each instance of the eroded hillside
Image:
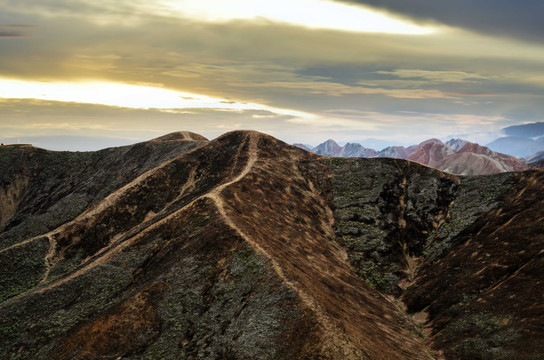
(247, 248)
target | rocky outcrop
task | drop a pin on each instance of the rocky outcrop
(11, 194)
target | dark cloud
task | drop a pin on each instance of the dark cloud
(16, 26)
(10, 34)
(356, 84)
(523, 20)
(7, 31)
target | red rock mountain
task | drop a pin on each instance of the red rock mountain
(471, 159)
(431, 153)
(456, 144)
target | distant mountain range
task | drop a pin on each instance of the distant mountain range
(523, 141)
(519, 140)
(456, 156)
(471, 159)
(517, 146)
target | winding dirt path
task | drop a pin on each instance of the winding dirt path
(116, 247)
(102, 204)
(48, 257)
(215, 195)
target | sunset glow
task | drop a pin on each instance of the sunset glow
(314, 14)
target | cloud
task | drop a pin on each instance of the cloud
(13, 30)
(336, 89)
(310, 72)
(8, 34)
(435, 76)
(324, 14)
(523, 20)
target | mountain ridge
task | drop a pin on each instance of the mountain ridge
(452, 157)
(177, 259)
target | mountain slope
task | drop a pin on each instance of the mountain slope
(516, 146)
(456, 144)
(328, 148)
(474, 159)
(196, 258)
(476, 296)
(246, 247)
(396, 152)
(48, 188)
(430, 154)
(357, 150)
(525, 130)
(535, 157)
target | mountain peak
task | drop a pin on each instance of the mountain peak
(456, 144)
(476, 149)
(181, 135)
(328, 148)
(431, 141)
(430, 153)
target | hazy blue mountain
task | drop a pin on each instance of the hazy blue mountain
(532, 130)
(516, 146)
(378, 144)
(535, 157)
(456, 144)
(328, 148)
(397, 152)
(303, 146)
(357, 150)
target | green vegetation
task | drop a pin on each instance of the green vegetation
(22, 267)
(475, 196)
(381, 206)
(484, 336)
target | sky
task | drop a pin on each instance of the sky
(82, 75)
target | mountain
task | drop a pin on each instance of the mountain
(520, 140)
(470, 159)
(65, 142)
(247, 248)
(517, 146)
(537, 164)
(430, 141)
(431, 153)
(474, 159)
(530, 130)
(535, 157)
(401, 152)
(331, 148)
(456, 144)
(328, 148)
(302, 146)
(396, 152)
(357, 150)
(378, 144)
